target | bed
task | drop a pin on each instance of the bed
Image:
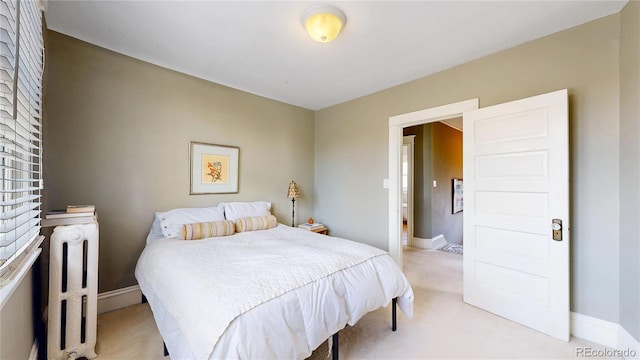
(268, 291)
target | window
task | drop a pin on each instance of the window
(21, 68)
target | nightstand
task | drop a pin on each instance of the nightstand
(321, 230)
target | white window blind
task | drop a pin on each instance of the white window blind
(21, 69)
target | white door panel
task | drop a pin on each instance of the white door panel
(530, 165)
(515, 183)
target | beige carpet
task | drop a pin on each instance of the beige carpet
(443, 326)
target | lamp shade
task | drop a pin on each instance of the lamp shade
(293, 192)
(323, 22)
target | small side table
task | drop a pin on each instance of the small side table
(321, 230)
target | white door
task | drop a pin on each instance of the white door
(516, 181)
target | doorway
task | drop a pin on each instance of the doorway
(396, 125)
(516, 164)
(437, 224)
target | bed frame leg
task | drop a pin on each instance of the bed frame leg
(334, 346)
(166, 352)
(393, 314)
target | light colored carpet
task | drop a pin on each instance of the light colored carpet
(443, 326)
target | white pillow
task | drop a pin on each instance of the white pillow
(236, 210)
(171, 221)
(155, 232)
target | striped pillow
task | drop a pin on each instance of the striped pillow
(253, 223)
(204, 230)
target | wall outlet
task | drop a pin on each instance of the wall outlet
(385, 183)
(435, 183)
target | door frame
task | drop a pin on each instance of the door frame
(396, 124)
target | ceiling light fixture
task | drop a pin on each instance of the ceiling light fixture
(323, 22)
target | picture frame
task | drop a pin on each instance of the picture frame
(457, 199)
(213, 168)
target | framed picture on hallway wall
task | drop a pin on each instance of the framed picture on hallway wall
(214, 169)
(457, 198)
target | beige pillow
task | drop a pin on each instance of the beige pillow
(204, 230)
(253, 223)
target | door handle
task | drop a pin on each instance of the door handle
(556, 229)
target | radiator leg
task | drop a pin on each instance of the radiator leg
(166, 352)
(334, 346)
(394, 302)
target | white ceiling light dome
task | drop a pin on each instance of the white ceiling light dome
(323, 22)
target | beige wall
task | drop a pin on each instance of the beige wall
(16, 328)
(351, 148)
(117, 132)
(630, 162)
(447, 165)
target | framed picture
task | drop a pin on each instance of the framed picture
(457, 198)
(214, 168)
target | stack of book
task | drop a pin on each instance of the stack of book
(73, 214)
(311, 226)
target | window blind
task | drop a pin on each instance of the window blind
(21, 69)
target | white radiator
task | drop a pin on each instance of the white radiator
(73, 291)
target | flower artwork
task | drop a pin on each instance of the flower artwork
(215, 169)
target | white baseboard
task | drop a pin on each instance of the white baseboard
(595, 330)
(118, 299)
(438, 242)
(33, 355)
(626, 341)
(421, 243)
(435, 243)
(604, 333)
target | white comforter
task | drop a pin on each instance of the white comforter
(276, 293)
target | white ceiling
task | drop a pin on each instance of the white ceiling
(262, 48)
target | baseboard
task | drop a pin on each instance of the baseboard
(605, 333)
(118, 299)
(435, 243)
(33, 355)
(595, 330)
(421, 243)
(438, 242)
(626, 341)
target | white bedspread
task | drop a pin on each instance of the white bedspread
(203, 286)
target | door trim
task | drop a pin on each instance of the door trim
(396, 124)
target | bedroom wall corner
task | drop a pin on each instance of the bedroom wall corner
(117, 133)
(447, 165)
(630, 169)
